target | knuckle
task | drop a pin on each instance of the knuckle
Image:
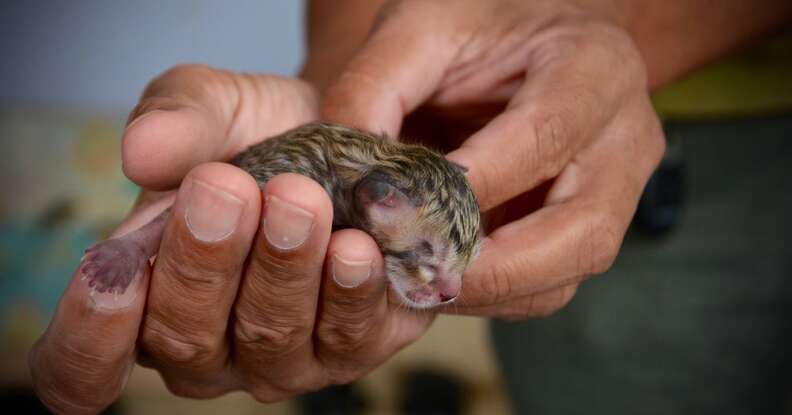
(168, 345)
(180, 389)
(615, 47)
(607, 49)
(197, 269)
(285, 272)
(566, 295)
(267, 394)
(274, 338)
(485, 185)
(347, 375)
(543, 312)
(541, 305)
(518, 310)
(657, 145)
(344, 335)
(646, 149)
(600, 244)
(550, 142)
(299, 383)
(554, 301)
(495, 283)
(629, 59)
(191, 389)
(285, 387)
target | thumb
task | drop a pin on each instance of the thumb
(399, 66)
(193, 114)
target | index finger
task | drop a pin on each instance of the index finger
(579, 231)
(564, 102)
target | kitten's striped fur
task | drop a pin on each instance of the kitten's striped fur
(338, 157)
(416, 205)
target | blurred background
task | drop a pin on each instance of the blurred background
(71, 71)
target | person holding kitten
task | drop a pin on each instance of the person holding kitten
(546, 103)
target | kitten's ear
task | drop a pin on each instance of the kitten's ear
(377, 189)
(460, 168)
(380, 200)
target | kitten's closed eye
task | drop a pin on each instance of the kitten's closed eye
(426, 248)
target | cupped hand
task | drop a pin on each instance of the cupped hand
(546, 103)
(250, 289)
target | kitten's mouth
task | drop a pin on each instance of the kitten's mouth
(415, 293)
(427, 296)
(423, 298)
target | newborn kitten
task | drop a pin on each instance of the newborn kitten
(416, 205)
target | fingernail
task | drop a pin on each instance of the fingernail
(350, 274)
(285, 226)
(212, 214)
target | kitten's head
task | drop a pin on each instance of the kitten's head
(425, 218)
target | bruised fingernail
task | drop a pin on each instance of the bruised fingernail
(349, 273)
(212, 214)
(285, 225)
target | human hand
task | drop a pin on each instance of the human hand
(250, 290)
(546, 102)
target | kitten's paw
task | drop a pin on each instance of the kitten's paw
(111, 266)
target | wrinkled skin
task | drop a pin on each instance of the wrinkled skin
(544, 101)
(547, 103)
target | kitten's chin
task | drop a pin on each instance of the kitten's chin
(443, 289)
(420, 298)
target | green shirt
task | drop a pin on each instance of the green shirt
(754, 82)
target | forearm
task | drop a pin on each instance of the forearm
(674, 37)
(334, 31)
(678, 36)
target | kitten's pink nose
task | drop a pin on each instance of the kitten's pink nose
(448, 286)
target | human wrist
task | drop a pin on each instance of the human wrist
(676, 37)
